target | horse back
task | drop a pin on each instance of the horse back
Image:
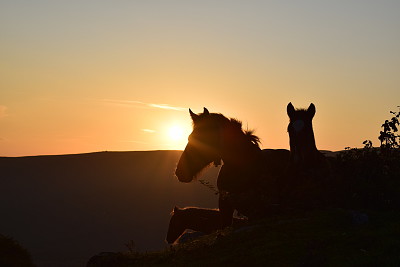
(275, 161)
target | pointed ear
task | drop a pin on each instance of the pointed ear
(206, 112)
(193, 115)
(311, 110)
(290, 110)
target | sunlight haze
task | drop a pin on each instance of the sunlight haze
(84, 76)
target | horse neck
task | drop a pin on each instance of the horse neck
(238, 150)
(190, 221)
(307, 152)
(194, 219)
(310, 141)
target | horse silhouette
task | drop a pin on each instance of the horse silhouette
(205, 221)
(308, 168)
(303, 150)
(246, 180)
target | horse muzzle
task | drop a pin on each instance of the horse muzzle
(183, 175)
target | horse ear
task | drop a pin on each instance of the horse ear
(311, 110)
(206, 112)
(193, 115)
(290, 110)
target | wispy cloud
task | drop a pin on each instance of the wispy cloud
(139, 104)
(148, 131)
(165, 106)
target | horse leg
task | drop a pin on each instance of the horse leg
(226, 210)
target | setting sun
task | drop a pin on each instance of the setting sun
(176, 133)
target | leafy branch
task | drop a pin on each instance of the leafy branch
(389, 137)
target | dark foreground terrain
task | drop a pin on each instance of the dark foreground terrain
(331, 237)
(358, 225)
(112, 209)
(64, 209)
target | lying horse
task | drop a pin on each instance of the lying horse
(202, 220)
(247, 178)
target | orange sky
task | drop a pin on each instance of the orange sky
(99, 75)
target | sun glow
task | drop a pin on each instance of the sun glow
(176, 133)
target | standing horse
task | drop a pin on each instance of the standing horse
(307, 167)
(216, 138)
(304, 154)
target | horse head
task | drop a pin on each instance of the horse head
(301, 135)
(203, 147)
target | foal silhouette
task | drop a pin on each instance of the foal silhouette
(308, 169)
(303, 150)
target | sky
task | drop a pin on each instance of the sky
(86, 76)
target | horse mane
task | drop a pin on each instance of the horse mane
(249, 134)
(253, 138)
(237, 124)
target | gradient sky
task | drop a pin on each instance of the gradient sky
(84, 76)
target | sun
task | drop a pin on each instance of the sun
(176, 133)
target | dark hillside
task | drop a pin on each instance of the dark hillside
(64, 209)
(330, 237)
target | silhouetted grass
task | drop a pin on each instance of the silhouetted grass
(366, 179)
(318, 238)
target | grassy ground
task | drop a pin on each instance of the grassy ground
(332, 237)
